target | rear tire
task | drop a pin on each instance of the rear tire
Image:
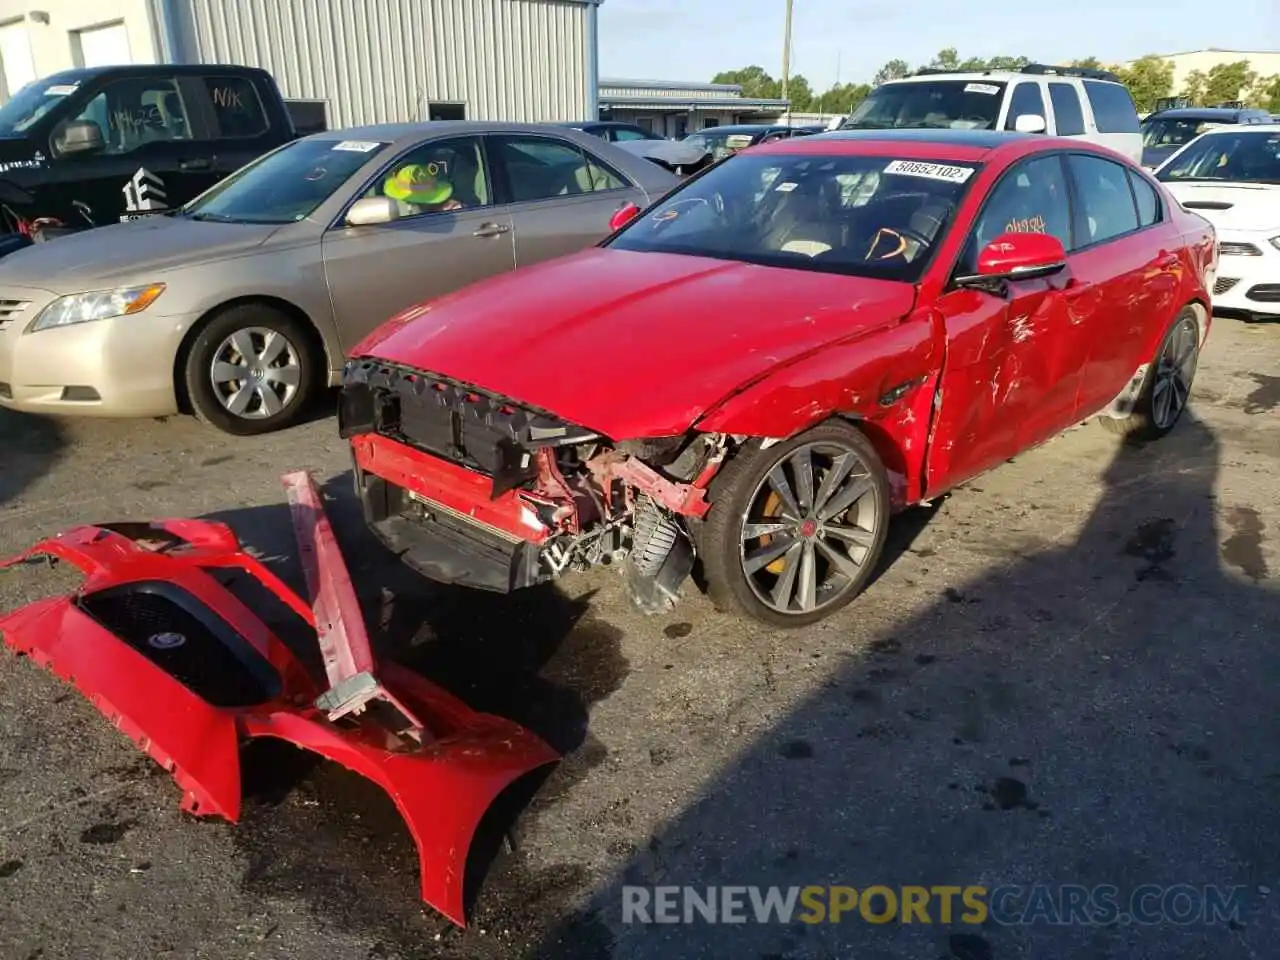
(787, 543)
(1166, 390)
(251, 370)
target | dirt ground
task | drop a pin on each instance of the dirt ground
(1066, 674)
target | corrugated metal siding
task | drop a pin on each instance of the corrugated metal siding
(378, 61)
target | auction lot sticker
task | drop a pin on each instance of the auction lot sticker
(933, 171)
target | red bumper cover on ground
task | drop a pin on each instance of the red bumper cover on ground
(161, 646)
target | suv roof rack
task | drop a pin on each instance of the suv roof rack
(1086, 73)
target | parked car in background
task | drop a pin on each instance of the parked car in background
(89, 147)
(1166, 131)
(1230, 175)
(615, 131)
(241, 304)
(683, 158)
(758, 371)
(726, 140)
(1090, 105)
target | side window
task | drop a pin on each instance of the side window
(1106, 208)
(622, 133)
(1068, 117)
(1113, 109)
(539, 168)
(132, 113)
(1030, 198)
(1026, 99)
(1148, 202)
(236, 107)
(436, 177)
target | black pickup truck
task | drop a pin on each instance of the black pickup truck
(89, 147)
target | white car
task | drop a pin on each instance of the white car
(1091, 105)
(1231, 177)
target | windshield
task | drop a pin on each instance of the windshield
(722, 143)
(942, 104)
(856, 215)
(1248, 157)
(31, 103)
(284, 186)
(1174, 133)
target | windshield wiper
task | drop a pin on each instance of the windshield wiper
(214, 218)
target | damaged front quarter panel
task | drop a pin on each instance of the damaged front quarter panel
(885, 380)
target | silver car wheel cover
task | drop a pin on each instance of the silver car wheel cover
(256, 373)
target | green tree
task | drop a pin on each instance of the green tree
(754, 80)
(1193, 87)
(1266, 93)
(800, 94)
(1007, 63)
(842, 98)
(893, 70)
(972, 65)
(1087, 63)
(945, 59)
(1148, 78)
(1229, 81)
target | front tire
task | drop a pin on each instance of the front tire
(1166, 390)
(251, 370)
(795, 530)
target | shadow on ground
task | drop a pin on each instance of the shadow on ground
(1102, 713)
(29, 448)
(315, 832)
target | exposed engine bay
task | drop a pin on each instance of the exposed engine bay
(483, 491)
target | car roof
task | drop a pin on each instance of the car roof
(1239, 128)
(1206, 113)
(81, 74)
(738, 128)
(402, 134)
(913, 144)
(1030, 73)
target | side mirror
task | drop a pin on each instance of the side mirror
(80, 136)
(1030, 123)
(1016, 256)
(370, 211)
(623, 215)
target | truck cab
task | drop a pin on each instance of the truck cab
(90, 147)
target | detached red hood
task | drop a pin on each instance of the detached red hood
(632, 344)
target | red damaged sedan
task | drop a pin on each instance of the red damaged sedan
(760, 370)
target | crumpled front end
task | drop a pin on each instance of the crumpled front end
(480, 490)
(160, 641)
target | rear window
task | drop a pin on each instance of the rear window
(938, 104)
(1113, 109)
(236, 106)
(1067, 115)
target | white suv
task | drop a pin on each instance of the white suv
(1062, 101)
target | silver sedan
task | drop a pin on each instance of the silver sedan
(241, 305)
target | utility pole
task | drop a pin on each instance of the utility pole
(786, 58)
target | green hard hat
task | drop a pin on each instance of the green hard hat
(417, 183)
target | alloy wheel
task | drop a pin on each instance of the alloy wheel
(811, 527)
(1175, 370)
(256, 372)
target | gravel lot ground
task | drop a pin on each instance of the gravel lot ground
(1066, 674)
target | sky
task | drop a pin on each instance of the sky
(692, 40)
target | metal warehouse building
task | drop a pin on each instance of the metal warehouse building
(367, 61)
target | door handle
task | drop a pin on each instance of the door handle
(491, 230)
(200, 163)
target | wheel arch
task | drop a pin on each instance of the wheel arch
(287, 307)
